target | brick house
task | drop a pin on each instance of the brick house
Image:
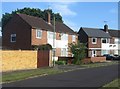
(99, 41)
(24, 31)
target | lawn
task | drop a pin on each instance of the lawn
(24, 74)
(20, 75)
(91, 65)
(114, 83)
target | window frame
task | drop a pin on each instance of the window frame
(11, 38)
(38, 30)
(106, 39)
(95, 41)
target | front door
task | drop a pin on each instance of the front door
(93, 53)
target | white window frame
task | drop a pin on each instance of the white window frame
(107, 40)
(94, 55)
(38, 30)
(73, 38)
(12, 35)
(63, 52)
(95, 41)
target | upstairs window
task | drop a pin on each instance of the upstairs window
(105, 40)
(38, 33)
(94, 40)
(73, 38)
(13, 38)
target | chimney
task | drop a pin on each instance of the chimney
(49, 19)
(106, 28)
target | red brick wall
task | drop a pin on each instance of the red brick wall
(112, 40)
(58, 52)
(94, 59)
(23, 34)
(36, 41)
(97, 45)
(69, 38)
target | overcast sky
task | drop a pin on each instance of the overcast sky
(75, 14)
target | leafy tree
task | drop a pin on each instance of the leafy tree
(79, 51)
(33, 12)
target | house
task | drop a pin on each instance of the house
(24, 31)
(99, 41)
(114, 46)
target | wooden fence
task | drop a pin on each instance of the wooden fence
(24, 59)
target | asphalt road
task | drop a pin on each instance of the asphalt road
(92, 77)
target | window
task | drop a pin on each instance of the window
(50, 35)
(38, 33)
(117, 41)
(64, 37)
(94, 53)
(13, 38)
(63, 52)
(73, 38)
(104, 52)
(94, 40)
(105, 40)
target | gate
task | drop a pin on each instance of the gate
(42, 58)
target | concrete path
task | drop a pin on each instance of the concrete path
(91, 77)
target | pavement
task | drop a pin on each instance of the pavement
(91, 77)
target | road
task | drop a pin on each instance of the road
(91, 77)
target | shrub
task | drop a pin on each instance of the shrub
(42, 47)
(60, 62)
(79, 51)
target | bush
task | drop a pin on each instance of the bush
(42, 47)
(60, 62)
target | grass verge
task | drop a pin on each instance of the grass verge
(91, 65)
(20, 75)
(114, 83)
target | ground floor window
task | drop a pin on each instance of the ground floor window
(104, 52)
(63, 52)
(94, 53)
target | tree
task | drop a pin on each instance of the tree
(79, 51)
(33, 12)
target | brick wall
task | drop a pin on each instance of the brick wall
(97, 45)
(94, 59)
(36, 41)
(19, 60)
(69, 38)
(58, 52)
(23, 34)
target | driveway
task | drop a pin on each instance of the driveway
(91, 77)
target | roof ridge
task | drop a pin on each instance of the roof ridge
(34, 17)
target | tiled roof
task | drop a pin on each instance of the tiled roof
(61, 27)
(114, 33)
(37, 22)
(94, 32)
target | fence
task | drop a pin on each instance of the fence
(20, 60)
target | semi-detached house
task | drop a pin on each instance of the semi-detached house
(100, 41)
(24, 31)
